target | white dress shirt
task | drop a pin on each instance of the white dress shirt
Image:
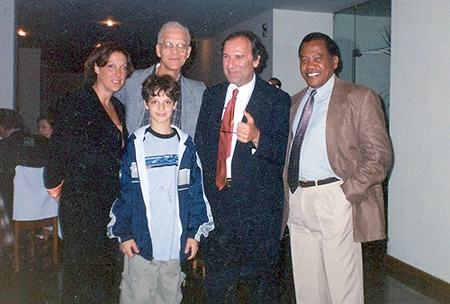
(242, 99)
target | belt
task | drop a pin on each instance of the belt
(312, 183)
(228, 183)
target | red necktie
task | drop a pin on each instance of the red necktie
(226, 133)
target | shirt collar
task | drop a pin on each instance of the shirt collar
(244, 90)
(157, 67)
(325, 89)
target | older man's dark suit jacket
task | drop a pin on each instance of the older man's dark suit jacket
(359, 151)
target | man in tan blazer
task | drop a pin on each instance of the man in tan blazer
(333, 177)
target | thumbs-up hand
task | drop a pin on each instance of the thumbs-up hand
(247, 131)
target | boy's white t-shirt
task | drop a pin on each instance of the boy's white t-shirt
(161, 159)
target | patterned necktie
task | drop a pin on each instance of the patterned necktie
(226, 133)
(294, 158)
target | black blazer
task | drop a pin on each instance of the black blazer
(86, 145)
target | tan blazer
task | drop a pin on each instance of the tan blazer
(359, 151)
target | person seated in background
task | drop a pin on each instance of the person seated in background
(17, 147)
(45, 125)
(275, 82)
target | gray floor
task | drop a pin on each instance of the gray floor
(395, 292)
(39, 281)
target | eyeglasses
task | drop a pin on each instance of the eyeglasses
(181, 47)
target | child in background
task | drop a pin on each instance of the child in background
(163, 211)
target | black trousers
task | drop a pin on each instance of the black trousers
(92, 261)
(241, 254)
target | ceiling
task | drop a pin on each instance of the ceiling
(66, 30)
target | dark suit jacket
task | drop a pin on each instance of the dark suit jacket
(359, 151)
(256, 178)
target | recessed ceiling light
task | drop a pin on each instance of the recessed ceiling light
(110, 22)
(21, 33)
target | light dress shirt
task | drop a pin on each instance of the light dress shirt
(314, 163)
(242, 99)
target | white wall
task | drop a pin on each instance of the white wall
(288, 31)
(419, 191)
(7, 51)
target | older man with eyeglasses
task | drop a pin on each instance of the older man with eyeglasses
(173, 49)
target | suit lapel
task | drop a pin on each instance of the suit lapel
(185, 90)
(336, 112)
(258, 96)
(296, 101)
(217, 107)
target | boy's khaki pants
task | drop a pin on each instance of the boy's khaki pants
(154, 281)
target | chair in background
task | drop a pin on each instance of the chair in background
(33, 209)
(6, 233)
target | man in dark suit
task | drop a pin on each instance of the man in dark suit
(333, 177)
(242, 253)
